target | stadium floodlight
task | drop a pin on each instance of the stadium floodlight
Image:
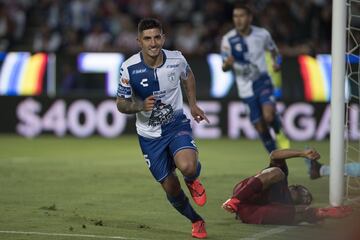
(336, 194)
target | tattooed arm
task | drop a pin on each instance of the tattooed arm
(134, 105)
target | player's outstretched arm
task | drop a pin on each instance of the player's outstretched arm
(310, 153)
(228, 63)
(134, 105)
(190, 90)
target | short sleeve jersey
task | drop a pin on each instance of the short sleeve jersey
(276, 193)
(138, 80)
(249, 55)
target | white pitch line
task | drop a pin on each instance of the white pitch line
(69, 235)
(268, 233)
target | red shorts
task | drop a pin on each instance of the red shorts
(272, 213)
(240, 185)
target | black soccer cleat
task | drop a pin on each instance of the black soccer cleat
(315, 169)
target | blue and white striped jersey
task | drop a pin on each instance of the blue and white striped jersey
(249, 55)
(141, 81)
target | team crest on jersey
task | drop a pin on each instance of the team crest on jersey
(161, 114)
(125, 81)
(238, 47)
(171, 77)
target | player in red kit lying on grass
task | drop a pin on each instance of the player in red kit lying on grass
(266, 197)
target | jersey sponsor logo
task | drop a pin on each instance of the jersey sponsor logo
(250, 72)
(234, 39)
(123, 91)
(172, 66)
(161, 114)
(138, 71)
(159, 94)
(144, 82)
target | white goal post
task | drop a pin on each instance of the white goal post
(337, 155)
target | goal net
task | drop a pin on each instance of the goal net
(352, 118)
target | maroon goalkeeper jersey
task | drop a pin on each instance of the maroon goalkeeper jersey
(271, 206)
(276, 193)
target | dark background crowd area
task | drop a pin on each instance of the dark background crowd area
(193, 26)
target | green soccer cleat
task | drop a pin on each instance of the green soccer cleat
(282, 142)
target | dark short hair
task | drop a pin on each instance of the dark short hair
(149, 23)
(244, 6)
(304, 196)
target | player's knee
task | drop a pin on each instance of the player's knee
(260, 127)
(189, 168)
(268, 118)
(185, 161)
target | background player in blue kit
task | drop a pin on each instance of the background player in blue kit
(150, 87)
(243, 50)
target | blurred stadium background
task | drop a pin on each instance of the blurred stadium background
(59, 63)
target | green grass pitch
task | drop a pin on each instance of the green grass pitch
(101, 188)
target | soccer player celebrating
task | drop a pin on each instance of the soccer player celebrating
(243, 50)
(150, 87)
(266, 197)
